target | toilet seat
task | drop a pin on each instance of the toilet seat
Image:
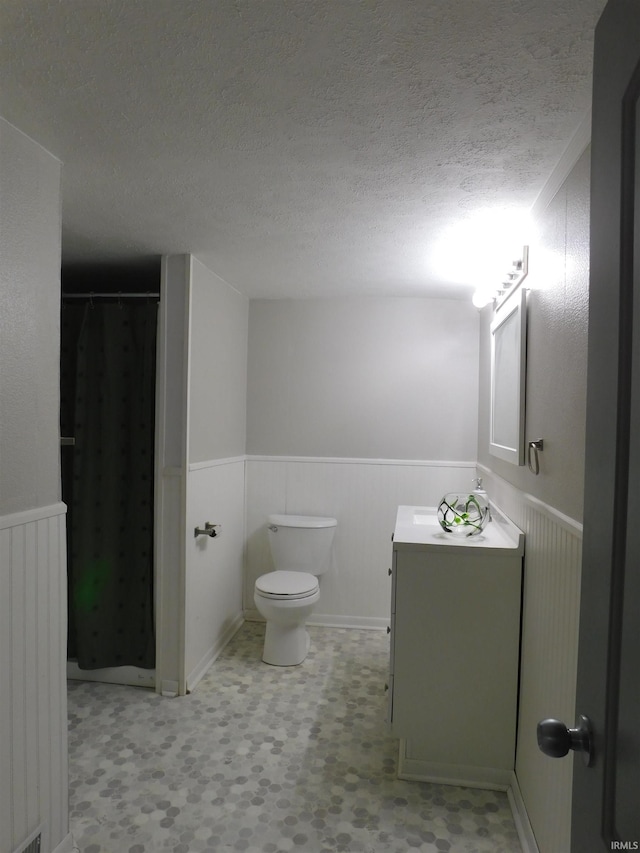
(290, 586)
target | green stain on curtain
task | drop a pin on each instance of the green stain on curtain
(89, 585)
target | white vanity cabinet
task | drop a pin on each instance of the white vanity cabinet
(455, 640)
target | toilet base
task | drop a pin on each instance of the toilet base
(285, 645)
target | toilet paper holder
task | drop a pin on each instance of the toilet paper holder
(208, 530)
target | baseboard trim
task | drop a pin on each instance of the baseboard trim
(213, 653)
(417, 770)
(169, 689)
(364, 623)
(485, 778)
(327, 620)
(67, 845)
(521, 818)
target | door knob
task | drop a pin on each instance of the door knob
(555, 739)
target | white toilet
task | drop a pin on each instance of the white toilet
(301, 550)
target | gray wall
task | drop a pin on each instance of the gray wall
(202, 400)
(217, 367)
(33, 625)
(556, 352)
(371, 378)
(215, 476)
(29, 323)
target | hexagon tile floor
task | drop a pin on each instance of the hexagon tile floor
(263, 760)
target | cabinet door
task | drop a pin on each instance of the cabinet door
(456, 651)
(392, 638)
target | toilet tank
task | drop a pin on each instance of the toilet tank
(301, 543)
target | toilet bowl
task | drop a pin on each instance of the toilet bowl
(301, 550)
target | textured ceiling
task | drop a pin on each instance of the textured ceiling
(297, 147)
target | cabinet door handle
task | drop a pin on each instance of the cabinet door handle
(388, 629)
(390, 573)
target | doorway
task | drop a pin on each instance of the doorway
(107, 416)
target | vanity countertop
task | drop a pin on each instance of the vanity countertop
(417, 529)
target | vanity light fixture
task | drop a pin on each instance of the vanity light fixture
(515, 276)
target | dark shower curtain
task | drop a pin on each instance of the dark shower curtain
(108, 406)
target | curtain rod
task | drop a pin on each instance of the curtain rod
(110, 295)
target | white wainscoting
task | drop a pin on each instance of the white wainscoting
(549, 655)
(33, 707)
(169, 581)
(214, 566)
(363, 494)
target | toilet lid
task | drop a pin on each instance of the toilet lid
(283, 584)
(312, 521)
